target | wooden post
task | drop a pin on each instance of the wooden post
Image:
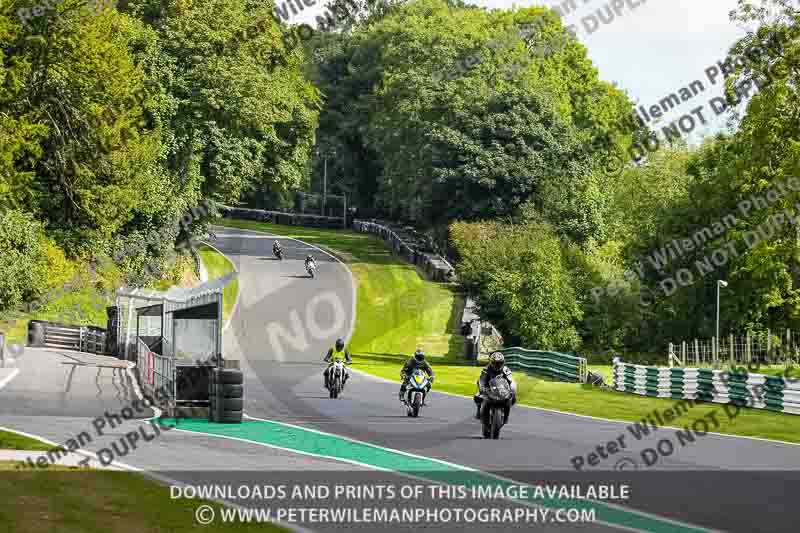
(769, 345)
(747, 351)
(696, 353)
(730, 347)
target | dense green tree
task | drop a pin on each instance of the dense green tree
(521, 282)
(115, 123)
(237, 111)
(445, 112)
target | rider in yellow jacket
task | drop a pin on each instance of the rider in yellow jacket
(337, 352)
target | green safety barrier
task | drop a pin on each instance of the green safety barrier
(735, 386)
(554, 365)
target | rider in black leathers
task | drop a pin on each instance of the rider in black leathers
(497, 366)
(418, 361)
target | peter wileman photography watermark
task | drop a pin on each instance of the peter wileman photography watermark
(147, 431)
(717, 258)
(680, 438)
(689, 122)
(108, 424)
(48, 7)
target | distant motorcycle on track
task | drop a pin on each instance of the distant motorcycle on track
(311, 268)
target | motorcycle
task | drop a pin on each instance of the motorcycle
(278, 253)
(498, 401)
(336, 378)
(311, 268)
(416, 390)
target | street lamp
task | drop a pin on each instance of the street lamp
(325, 154)
(344, 190)
(720, 284)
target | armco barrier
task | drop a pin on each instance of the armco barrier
(704, 384)
(65, 336)
(409, 247)
(551, 364)
(279, 217)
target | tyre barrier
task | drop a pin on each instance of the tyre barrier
(36, 334)
(226, 395)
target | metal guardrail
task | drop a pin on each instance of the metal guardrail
(92, 341)
(550, 364)
(156, 372)
(279, 217)
(435, 265)
(89, 339)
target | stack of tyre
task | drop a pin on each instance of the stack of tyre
(226, 396)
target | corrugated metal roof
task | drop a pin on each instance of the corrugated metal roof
(177, 294)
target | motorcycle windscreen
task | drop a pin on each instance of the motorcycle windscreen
(500, 389)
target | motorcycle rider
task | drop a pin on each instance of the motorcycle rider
(413, 363)
(276, 247)
(337, 353)
(496, 367)
(310, 261)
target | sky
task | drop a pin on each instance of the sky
(650, 50)
(655, 48)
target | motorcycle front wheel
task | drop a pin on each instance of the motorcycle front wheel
(497, 421)
(486, 424)
(416, 405)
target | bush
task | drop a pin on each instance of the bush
(55, 270)
(22, 256)
(521, 282)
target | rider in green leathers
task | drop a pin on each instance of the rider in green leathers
(418, 361)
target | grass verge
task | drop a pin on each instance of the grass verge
(94, 501)
(13, 441)
(218, 266)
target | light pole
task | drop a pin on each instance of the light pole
(720, 284)
(344, 190)
(325, 154)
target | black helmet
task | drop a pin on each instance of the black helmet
(309, 258)
(419, 356)
(339, 344)
(497, 361)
